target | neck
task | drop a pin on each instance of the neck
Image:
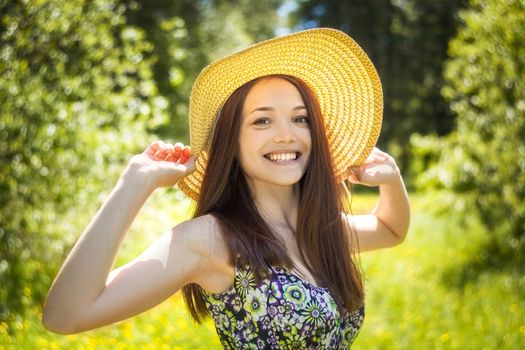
(278, 205)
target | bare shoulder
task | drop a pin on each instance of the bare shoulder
(202, 235)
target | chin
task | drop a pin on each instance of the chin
(286, 181)
(275, 178)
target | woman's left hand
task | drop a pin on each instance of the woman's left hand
(379, 169)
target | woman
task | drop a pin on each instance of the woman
(269, 253)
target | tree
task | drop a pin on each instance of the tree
(483, 161)
(407, 41)
(77, 98)
(83, 86)
(187, 35)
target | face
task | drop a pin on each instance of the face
(274, 139)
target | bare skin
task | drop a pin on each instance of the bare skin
(88, 293)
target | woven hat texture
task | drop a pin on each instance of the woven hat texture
(331, 63)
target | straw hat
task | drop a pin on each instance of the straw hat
(330, 62)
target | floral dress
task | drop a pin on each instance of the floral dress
(283, 311)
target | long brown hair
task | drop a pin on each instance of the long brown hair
(324, 240)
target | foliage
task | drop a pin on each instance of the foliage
(187, 35)
(407, 41)
(415, 300)
(483, 161)
(83, 86)
(77, 97)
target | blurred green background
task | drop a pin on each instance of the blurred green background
(86, 84)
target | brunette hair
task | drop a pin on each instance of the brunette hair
(325, 241)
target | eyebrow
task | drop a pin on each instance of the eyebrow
(272, 109)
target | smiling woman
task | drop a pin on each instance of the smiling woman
(269, 254)
(274, 140)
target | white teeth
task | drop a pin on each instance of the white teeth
(283, 156)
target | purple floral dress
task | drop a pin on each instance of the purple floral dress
(283, 311)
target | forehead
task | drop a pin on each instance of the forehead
(272, 92)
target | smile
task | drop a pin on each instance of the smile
(282, 157)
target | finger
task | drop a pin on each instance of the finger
(179, 145)
(186, 154)
(162, 144)
(371, 172)
(177, 153)
(177, 150)
(153, 148)
(162, 153)
(170, 153)
(380, 153)
(373, 159)
(186, 151)
(353, 179)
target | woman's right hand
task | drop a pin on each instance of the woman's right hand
(162, 163)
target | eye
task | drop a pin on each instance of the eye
(262, 121)
(303, 119)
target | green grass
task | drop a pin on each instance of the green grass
(418, 296)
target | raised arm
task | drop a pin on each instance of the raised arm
(84, 294)
(387, 225)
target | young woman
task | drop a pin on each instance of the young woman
(270, 251)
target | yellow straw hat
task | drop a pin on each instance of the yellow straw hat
(331, 63)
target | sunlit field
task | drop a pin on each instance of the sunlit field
(418, 296)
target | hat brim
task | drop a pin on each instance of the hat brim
(331, 63)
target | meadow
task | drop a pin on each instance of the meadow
(424, 294)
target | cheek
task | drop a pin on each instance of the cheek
(250, 143)
(308, 143)
(307, 137)
(246, 156)
(242, 158)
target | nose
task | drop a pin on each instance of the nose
(284, 133)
